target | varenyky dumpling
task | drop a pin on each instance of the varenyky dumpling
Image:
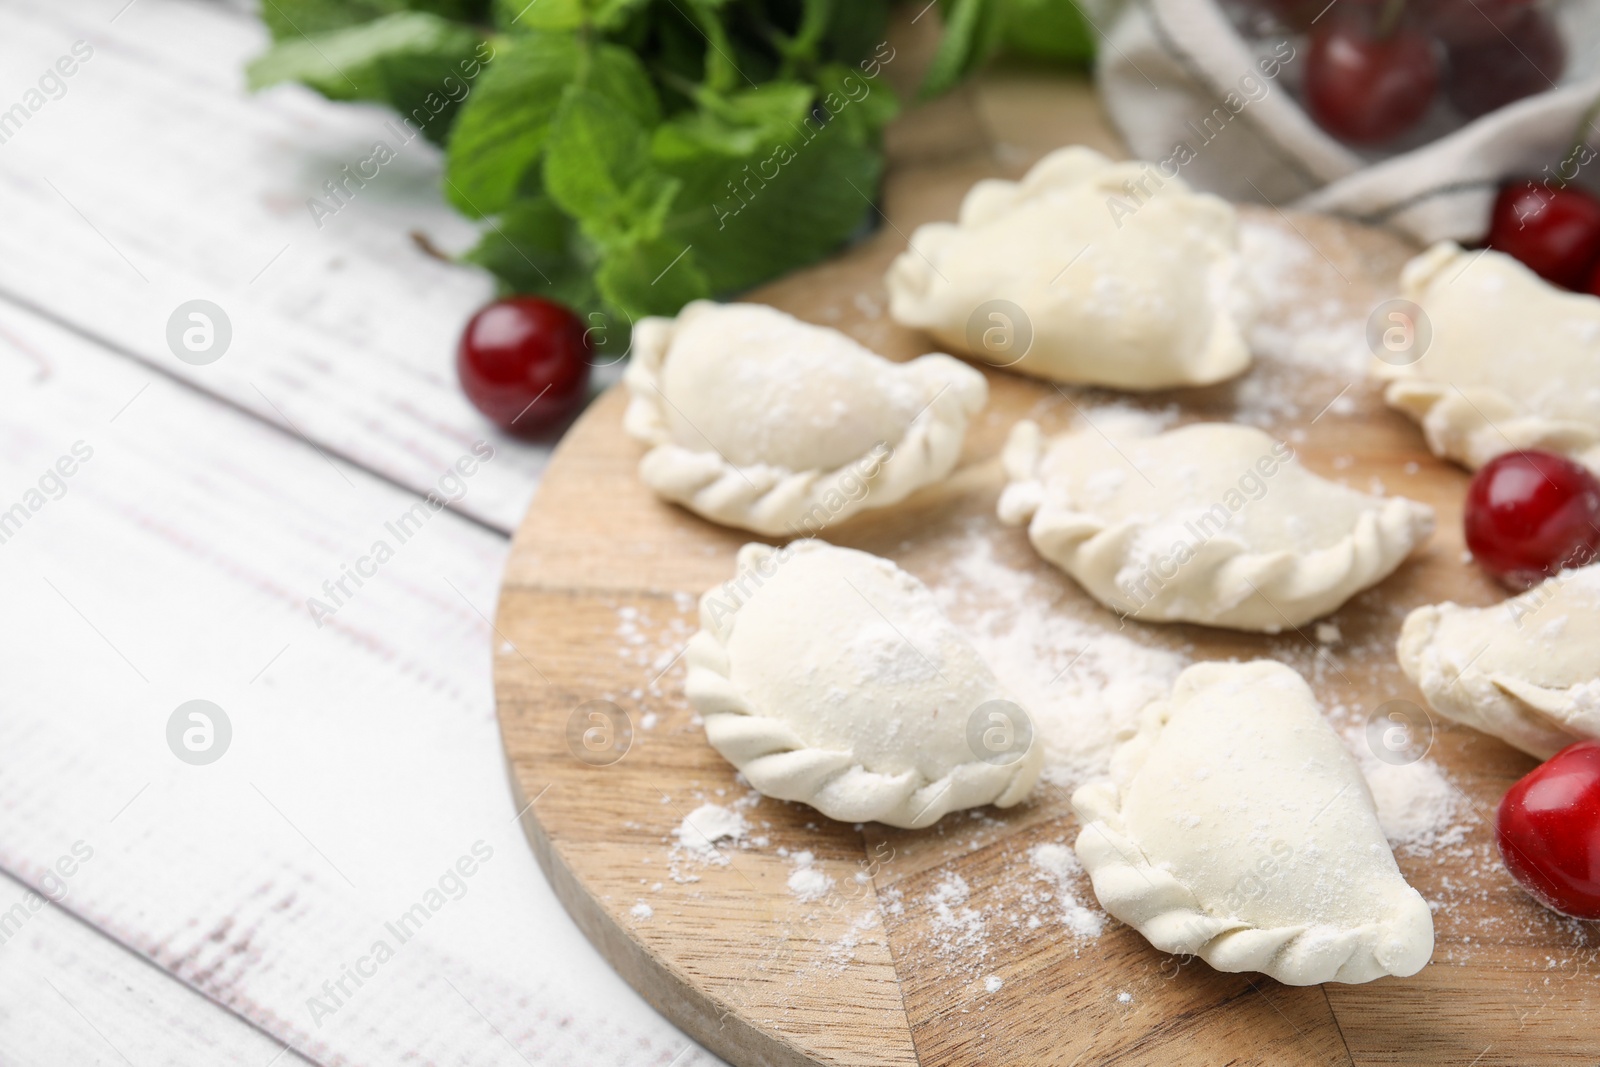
(1513, 362)
(758, 420)
(829, 676)
(1526, 670)
(1212, 523)
(1083, 272)
(1236, 827)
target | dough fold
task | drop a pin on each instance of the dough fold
(829, 676)
(1211, 523)
(1085, 271)
(1513, 362)
(760, 421)
(1526, 670)
(1236, 827)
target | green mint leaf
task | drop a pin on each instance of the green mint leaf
(293, 19)
(506, 119)
(533, 247)
(612, 14)
(416, 62)
(616, 74)
(595, 153)
(541, 14)
(516, 16)
(861, 104)
(1048, 29)
(858, 27)
(789, 199)
(736, 125)
(690, 138)
(597, 167)
(651, 277)
(773, 104)
(972, 31)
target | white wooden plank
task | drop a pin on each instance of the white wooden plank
(155, 179)
(70, 995)
(176, 564)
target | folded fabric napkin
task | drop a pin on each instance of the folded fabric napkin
(1195, 97)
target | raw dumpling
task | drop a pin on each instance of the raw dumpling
(758, 420)
(1526, 670)
(1513, 362)
(1236, 827)
(1212, 523)
(1121, 278)
(830, 677)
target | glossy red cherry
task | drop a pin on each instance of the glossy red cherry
(1365, 88)
(523, 362)
(1555, 231)
(1531, 514)
(1548, 830)
(1528, 57)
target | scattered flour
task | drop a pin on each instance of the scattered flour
(959, 928)
(843, 951)
(703, 827)
(1119, 419)
(1417, 805)
(1296, 338)
(1317, 335)
(642, 911)
(1058, 865)
(993, 983)
(651, 650)
(807, 882)
(1084, 683)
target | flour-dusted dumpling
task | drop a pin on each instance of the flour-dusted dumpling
(758, 420)
(1512, 363)
(1212, 523)
(1526, 670)
(830, 677)
(1236, 826)
(1116, 286)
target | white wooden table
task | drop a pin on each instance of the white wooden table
(212, 913)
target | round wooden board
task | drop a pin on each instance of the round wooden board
(890, 966)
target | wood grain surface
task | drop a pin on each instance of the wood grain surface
(599, 594)
(342, 332)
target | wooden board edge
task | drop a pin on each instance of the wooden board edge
(716, 1027)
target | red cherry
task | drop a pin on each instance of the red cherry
(1548, 829)
(1555, 231)
(1470, 22)
(1593, 288)
(1528, 57)
(1367, 89)
(523, 363)
(1531, 514)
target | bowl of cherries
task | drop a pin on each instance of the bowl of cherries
(1378, 72)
